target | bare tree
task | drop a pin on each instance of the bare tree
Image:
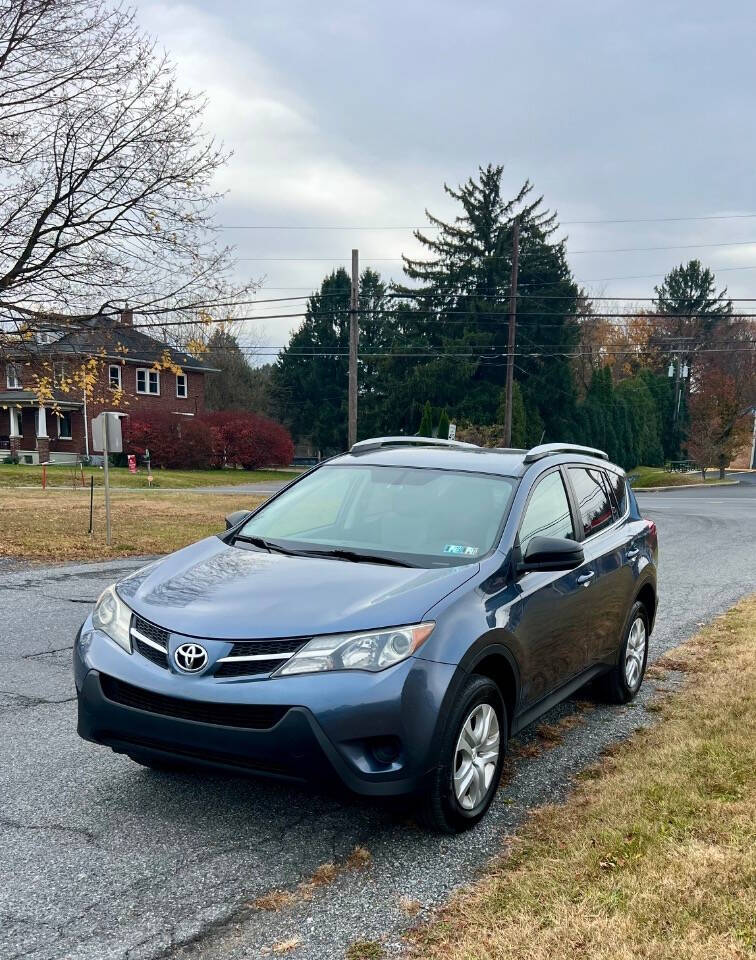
(105, 173)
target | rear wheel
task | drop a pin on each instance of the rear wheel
(472, 753)
(624, 680)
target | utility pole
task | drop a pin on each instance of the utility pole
(354, 335)
(512, 325)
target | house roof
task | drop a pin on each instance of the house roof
(9, 398)
(123, 343)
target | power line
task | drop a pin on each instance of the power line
(566, 223)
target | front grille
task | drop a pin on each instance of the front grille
(251, 717)
(157, 635)
(252, 668)
(161, 659)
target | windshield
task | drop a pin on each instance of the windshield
(424, 517)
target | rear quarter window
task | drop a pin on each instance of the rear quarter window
(618, 487)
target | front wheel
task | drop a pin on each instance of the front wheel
(472, 753)
(623, 681)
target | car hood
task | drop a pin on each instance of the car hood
(214, 590)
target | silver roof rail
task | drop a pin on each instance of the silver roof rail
(549, 449)
(376, 443)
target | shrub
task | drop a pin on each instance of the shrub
(229, 438)
(247, 440)
(174, 441)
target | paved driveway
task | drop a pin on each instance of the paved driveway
(102, 859)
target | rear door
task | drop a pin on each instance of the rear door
(605, 545)
(549, 616)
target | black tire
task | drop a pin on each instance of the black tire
(441, 810)
(615, 686)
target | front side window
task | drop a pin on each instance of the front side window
(64, 426)
(148, 381)
(593, 500)
(13, 377)
(181, 385)
(423, 516)
(547, 513)
(114, 376)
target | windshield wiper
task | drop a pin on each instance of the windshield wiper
(356, 557)
(268, 545)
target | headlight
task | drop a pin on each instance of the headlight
(112, 616)
(357, 651)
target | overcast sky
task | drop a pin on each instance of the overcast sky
(354, 114)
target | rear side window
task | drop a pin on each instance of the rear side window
(593, 500)
(618, 487)
(547, 513)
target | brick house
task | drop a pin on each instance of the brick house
(125, 366)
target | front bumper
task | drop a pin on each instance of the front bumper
(310, 728)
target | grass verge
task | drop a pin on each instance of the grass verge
(659, 477)
(654, 855)
(52, 525)
(61, 475)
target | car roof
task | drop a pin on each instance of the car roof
(413, 452)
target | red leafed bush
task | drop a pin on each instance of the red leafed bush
(173, 441)
(226, 439)
(248, 440)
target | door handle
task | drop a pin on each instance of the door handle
(585, 578)
(632, 553)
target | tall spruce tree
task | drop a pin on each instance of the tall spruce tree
(310, 377)
(458, 309)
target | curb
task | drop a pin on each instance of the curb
(688, 486)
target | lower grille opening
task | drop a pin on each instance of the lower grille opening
(247, 716)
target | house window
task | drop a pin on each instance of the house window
(12, 377)
(64, 426)
(148, 381)
(114, 376)
(181, 385)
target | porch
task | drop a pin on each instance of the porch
(36, 433)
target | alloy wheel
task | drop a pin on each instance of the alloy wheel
(635, 653)
(476, 756)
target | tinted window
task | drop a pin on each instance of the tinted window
(438, 516)
(593, 500)
(619, 491)
(547, 513)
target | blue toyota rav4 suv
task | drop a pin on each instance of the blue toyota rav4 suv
(390, 617)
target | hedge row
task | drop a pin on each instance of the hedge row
(224, 439)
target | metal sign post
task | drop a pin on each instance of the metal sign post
(107, 436)
(106, 478)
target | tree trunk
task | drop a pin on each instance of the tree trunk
(721, 466)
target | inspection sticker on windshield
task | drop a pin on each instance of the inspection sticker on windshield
(461, 549)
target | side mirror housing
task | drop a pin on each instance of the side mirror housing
(551, 553)
(235, 518)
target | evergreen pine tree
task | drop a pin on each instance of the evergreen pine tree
(459, 304)
(443, 425)
(426, 423)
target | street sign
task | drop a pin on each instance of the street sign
(452, 431)
(115, 436)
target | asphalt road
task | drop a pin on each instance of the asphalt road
(101, 859)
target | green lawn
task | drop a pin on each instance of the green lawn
(659, 477)
(23, 475)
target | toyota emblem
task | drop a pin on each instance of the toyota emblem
(190, 657)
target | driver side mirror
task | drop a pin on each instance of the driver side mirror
(551, 553)
(235, 518)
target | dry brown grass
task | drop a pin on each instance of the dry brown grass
(322, 876)
(654, 855)
(52, 525)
